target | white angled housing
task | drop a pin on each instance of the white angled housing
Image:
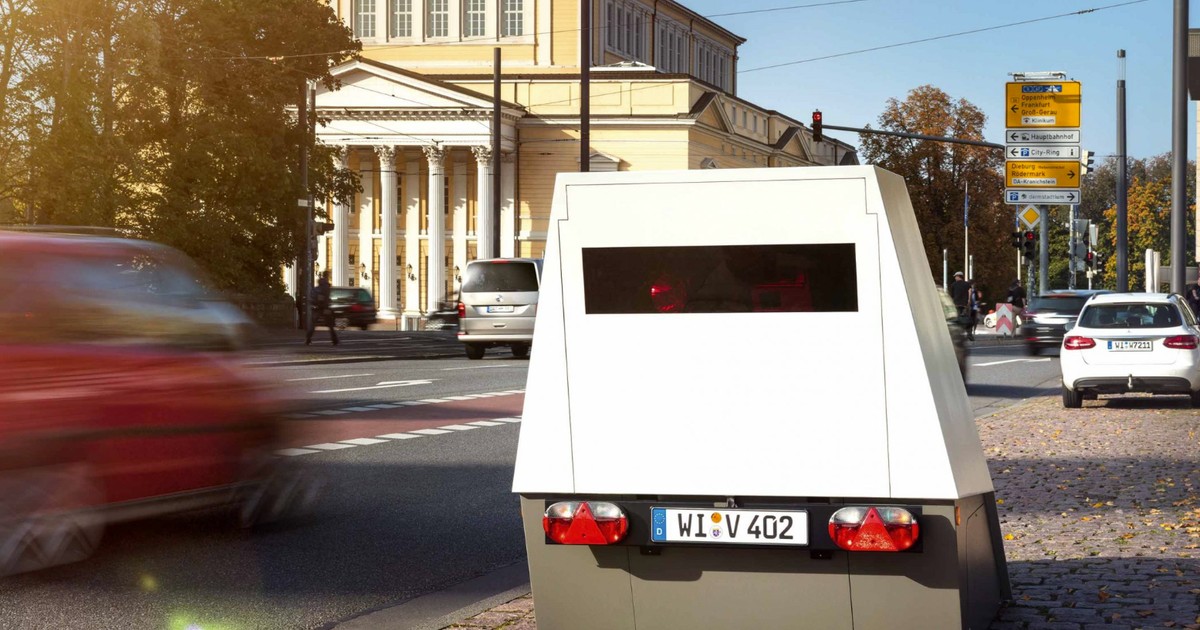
(862, 402)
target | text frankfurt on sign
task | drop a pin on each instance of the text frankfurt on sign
(1042, 174)
(1042, 104)
(1041, 136)
(1049, 196)
(1047, 152)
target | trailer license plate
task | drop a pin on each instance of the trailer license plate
(500, 309)
(1127, 346)
(727, 526)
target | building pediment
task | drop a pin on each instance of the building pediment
(371, 86)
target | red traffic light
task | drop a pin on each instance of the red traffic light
(1029, 236)
(817, 131)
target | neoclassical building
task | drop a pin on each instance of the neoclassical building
(414, 119)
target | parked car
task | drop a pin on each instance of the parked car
(352, 307)
(497, 305)
(119, 398)
(1046, 317)
(958, 332)
(1131, 342)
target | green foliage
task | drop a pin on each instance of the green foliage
(175, 120)
(938, 172)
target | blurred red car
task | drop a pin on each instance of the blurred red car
(115, 402)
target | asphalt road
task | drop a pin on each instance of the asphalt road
(399, 518)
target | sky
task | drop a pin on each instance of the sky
(852, 90)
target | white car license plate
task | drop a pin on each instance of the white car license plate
(1130, 346)
(726, 526)
(500, 309)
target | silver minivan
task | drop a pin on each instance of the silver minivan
(497, 305)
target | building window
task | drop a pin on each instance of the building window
(476, 18)
(401, 18)
(364, 18)
(625, 29)
(512, 18)
(439, 18)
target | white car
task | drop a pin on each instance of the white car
(1131, 342)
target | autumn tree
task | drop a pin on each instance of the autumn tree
(940, 175)
(174, 120)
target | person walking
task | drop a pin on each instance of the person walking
(960, 292)
(974, 304)
(1192, 296)
(321, 311)
(1017, 297)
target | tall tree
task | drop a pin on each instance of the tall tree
(941, 175)
(175, 120)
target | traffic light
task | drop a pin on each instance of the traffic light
(1029, 244)
(818, 134)
(1087, 162)
(322, 227)
(1098, 260)
(1016, 240)
(1089, 259)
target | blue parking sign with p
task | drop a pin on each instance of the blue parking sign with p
(1012, 196)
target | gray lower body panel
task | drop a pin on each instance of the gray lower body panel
(958, 579)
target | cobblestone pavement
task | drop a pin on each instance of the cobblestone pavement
(1100, 511)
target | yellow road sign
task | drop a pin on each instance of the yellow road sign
(1041, 104)
(1030, 216)
(1042, 174)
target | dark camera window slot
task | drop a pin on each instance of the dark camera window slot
(720, 279)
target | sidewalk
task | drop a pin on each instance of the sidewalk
(1100, 510)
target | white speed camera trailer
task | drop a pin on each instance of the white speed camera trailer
(745, 411)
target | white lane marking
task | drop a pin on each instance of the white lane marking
(318, 360)
(412, 403)
(298, 415)
(508, 419)
(331, 412)
(485, 423)
(459, 397)
(382, 406)
(399, 436)
(292, 452)
(477, 367)
(318, 378)
(381, 385)
(357, 409)
(991, 363)
(432, 400)
(328, 446)
(363, 441)
(458, 427)
(432, 431)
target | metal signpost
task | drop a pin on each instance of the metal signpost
(1042, 154)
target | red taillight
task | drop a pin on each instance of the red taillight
(356, 308)
(462, 310)
(585, 523)
(873, 529)
(1078, 343)
(1182, 342)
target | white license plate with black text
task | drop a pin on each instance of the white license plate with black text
(1130, 346)
(500, 309)
(729, 526)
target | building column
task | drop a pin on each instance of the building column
(341, 230)
(387, 229)
(366, 220)
(459, 217)
(508, 207)
(435, 275)
(412, 237)
(484, 221)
